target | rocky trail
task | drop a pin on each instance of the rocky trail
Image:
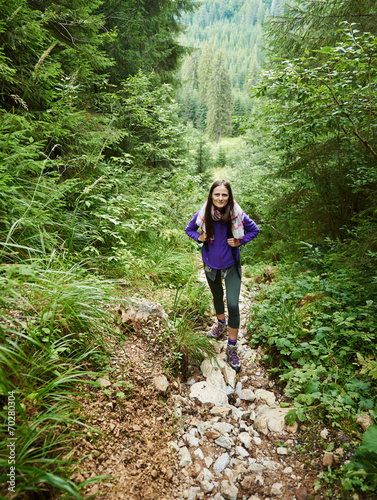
(217, 435)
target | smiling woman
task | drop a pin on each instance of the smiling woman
(223, 228)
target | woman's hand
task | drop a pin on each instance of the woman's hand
(233, 242)
(203, 237)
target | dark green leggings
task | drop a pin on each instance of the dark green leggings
(233, 287)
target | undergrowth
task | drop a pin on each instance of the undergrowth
(52, 324)
(319, 333)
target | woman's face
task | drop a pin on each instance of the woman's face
(220, 197)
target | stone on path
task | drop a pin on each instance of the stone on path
(270, 419)
(225, 442)
(215, 374)
(277, 489)
(223, 427)
(207, 392)
(221, 463)
(220, 411)
(206, 486)
(193, 493)
(328, 459)
(161, 383)
(104, 382)
(185, 457)
(267, 396)
(245, 439)
(242, 452)
(281, 450)
(228, 491)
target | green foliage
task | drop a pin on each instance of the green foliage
(328, 137)
(147, 32)
(314, 328)
(92, 181)
(186, 339)
(362, 471)
(149, 114)
(52, 324)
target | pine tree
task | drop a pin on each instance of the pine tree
(219, 100)
(205, 70)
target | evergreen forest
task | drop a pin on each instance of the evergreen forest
(115, 118)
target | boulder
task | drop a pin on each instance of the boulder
(207, 392)
(270, 419)
(135, 312)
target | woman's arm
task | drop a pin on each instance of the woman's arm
(251, 230)
(192, 229)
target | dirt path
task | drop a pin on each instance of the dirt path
(161, 442)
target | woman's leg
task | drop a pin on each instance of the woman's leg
(216, 288)
(233, 288)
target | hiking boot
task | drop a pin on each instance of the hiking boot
(232, 356)
(218, 331)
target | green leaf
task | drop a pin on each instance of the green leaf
(370, 439)
(60, 483)
(290, 417)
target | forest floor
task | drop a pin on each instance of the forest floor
(139, 443)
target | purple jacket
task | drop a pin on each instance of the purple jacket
(219, 255)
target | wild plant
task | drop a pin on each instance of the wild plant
(187, 339)
(52, 321)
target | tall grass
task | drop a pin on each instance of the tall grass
(52, 320)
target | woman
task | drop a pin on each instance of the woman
(223, 228)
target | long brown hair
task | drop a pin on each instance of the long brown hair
(226, 216)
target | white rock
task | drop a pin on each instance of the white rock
(104, 382)
(281, 450)
(207, 475)
(161, 383)
(236, 412)
(214, 373)
(193, 493)
(228, 491)
(206, 486)
(277, 489)
(185, 457)
(203, 426)
(208, 461)
(288, 470)
(247, 395)
(267, 396)
(221, 411)
(218, 496)
(271, 464)
(229, 390)
(198, 453)
(207, 392)
(221, 463)
(223, 427)
(270, 419)
(257, 440)
(225, 442)
(238, 388)
(231, 475)
(257, 468)
(243, 426)
(241, 451)
(254, 497)
(174, 445)
(245, 439)
(324, 433)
